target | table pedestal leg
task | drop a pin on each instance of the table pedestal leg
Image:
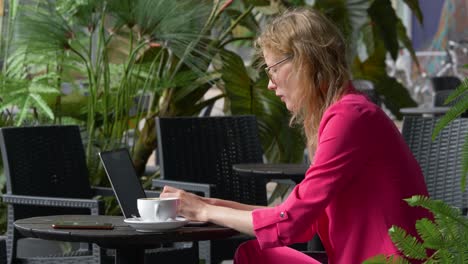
(129, 256)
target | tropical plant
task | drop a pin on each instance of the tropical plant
(133, 60)
(444, 239)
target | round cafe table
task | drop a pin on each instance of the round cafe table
(129, 244)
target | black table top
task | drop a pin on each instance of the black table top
(295, 172)
(122, 235)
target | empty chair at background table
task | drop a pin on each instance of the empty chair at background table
(46, 173)
(440, 160)
(197, 154)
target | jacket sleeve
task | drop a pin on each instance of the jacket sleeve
(342, 151)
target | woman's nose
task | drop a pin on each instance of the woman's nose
(271, 85)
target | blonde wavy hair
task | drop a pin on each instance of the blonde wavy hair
(319, 60)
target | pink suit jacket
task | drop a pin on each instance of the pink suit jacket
(353, 192)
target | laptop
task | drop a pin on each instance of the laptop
(124, 180)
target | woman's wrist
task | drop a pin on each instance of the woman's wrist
(208, 200)
(204, 215)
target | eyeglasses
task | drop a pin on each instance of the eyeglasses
(267, 69)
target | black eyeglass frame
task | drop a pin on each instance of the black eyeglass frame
(267, 69)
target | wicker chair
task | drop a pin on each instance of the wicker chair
(440, 160)
(197, 154)
(46, 174)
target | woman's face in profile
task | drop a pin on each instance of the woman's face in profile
(281, 81)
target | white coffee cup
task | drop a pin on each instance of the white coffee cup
(157, 209)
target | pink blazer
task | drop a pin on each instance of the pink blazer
(353, 192)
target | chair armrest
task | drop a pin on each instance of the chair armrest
(150, 193)
(206, 189)
(94, 205)
(102, 191)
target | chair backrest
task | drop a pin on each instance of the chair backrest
(45, 161)
(124, 180)
(203, 150)
(440, 160)
(441, 83)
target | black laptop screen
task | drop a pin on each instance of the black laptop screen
(121, 173)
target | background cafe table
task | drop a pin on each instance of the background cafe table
(281, 171)
(129, 244)
(441, 110)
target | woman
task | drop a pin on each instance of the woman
(361, 171)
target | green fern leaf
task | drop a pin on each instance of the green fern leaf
(379, 259)
(437, 207)
(407, 244)
(10, 102)
(39, 102)
(382, 259)
(38, 88)
(24, 111)
(443, 257)
(429, 233)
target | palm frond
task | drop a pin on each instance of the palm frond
(42, 30)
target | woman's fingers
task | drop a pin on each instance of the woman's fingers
(170, 192)
(169, 195)
(169, 189)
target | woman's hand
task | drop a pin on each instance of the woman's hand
(192, 207)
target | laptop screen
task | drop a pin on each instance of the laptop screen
(124, 180)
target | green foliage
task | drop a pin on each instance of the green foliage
(26, 95)
(409, 245)
(442, 239)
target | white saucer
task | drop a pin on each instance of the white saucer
(143, 226)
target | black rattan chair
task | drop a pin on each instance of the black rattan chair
(440, 160)
(197, 154)
(441, 83)
(46, 174)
